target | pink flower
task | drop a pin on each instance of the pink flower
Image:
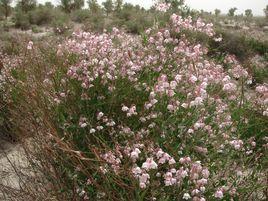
(193, 79)
(142, 185)
(229, 87)
(237, 144)
(135, 154)
(162, 7)
(144, 179)
(160, 153)
(149, 164)
(30, 45)
(136, 171)
(169, 180)
(178, 78)
(205, 173)
(218, 194)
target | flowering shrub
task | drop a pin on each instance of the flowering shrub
(163, 7)
(148, 118)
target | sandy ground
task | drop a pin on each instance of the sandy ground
(11, 155)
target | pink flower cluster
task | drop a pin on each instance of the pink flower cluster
(262, 98)
(172, 123)
(162, 7)
(179, 24)
(111, 159)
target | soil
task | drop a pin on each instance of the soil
(12, 160)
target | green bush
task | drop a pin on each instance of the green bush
(233, 44)
(81, 15)
(258, 46)
(134, 22)
(41, 16)
(142, 22)
(9, 44)
(260, 75)
(36, 29)
(5, 123)
(61, 22)
(4, 26)
(239, 45)
(21, 20)
(95, 22)
(76, 153)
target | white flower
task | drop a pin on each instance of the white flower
(136, 170)
(171, 161)
(125, 108)
(186, 196)
(83, 125)
(100, 115)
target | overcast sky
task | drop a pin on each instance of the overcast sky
(257, 6)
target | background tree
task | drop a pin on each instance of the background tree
(217, 12)
(108, 6)
(175, 3)
(49, 5)
(248, 13)
(65, 5)
(231, 12)
(78, 4)
(70, 5)
(93, 6)
(118, 5)
(5, 7)
(127, 11)
(26, 5)
(266, 11)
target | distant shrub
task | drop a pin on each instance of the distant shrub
(5, 124)
(260, 22)
(61, 22)
(241, 45)
(134, 22)
(41, 15)
(21, 20)
(4, 26)
(266, 56)
(81, 15)
(95, 22)
(141, 22)
(260, 75)
(258, 46)
(235, 44)
(10, 44)
(36, 29)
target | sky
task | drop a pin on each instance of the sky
(257, 6)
